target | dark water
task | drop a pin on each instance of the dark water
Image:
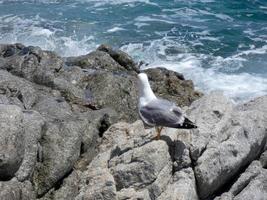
(219, 44)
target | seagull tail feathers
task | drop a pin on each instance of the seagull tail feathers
(187, 124)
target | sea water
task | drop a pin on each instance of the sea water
(219, 44)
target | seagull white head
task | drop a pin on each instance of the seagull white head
(145, 91)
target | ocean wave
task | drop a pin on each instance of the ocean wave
(208, 72)
(239, 87)
(32, 32)
(98, 3)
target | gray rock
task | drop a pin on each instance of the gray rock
(250, 185)
(60, 149)
(251, 172)
(131, 194)
(33, 128)
(68, 189)
(141, 166)
(236, 137)
(97, 184)
(12, 141)
(172, 85)
(14, 190)
(97, 60)
(32, 64)
(17, 91)
(120, 57)
(256, 189)
(208, 113)
(263, 159)
(182, 186)
(114, 91)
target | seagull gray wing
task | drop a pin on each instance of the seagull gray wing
(161, 112)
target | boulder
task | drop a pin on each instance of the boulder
(15, 190)
(96, 60)
(12, 141)
(251, 184)
(31, 63)
(17, 91)
(97, 183)
(67, 189)
(33, 131)
(182, 186)
(120, 57)
(173, 86)
(60, 145)
(114, 91)
(231, 139)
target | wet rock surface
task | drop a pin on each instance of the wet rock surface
(70, 130)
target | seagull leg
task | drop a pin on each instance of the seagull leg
(158, 129)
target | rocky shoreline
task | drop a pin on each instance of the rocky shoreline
(70, 131)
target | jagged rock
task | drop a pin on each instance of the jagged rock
(14, 90)
(131, 194)
(250, 185)
(208, 112)
(31, 63)
(263, 159)
(98, 183)
(60, 150)
(11, 140)
(67, 190)
(256, 189)
(115, 91)
(97, 60)
(182, 186)
(33, 129)
(234, 138)
(14, 190)
(19, 135)
(120, 57)
(172, 85)
(141, 166)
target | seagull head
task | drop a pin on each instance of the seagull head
(144, 87)
(142, 77)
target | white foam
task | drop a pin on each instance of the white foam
(31, 32)
(98, 3)
(239, 87)
(221, 73)
(115, 29)
(151, 19)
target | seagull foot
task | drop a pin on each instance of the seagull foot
(158, 130)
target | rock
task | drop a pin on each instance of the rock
(31, 63)
(172, 85)
(12, 143)
(61, 145)
(253, 170)
(131, 194)
(250, 185)
(114, 91)
(33, 129)
(120, 57)
(236, 137)
(17, 91)
(68, 189)
(263, 159)
(14, 190)
(97, 184)
(141, 166)
(256, 189)
(96, 60)
(182, 186)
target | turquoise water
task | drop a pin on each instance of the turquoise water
(219, 44)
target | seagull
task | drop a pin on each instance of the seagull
(157, 112)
